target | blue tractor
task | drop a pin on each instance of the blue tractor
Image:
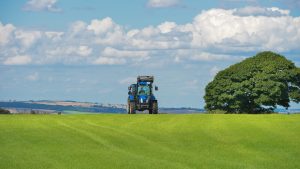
(140, 96)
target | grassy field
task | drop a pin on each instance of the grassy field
(149, 141)
(76, 112)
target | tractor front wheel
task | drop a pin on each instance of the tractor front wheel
(131, 108)
(128, 107)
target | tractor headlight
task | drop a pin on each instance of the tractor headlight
(141, 100)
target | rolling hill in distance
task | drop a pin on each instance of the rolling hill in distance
(74, 107)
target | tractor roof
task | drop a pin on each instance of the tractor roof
(145, 79)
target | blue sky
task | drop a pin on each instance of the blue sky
(136, 14)
(91, 50)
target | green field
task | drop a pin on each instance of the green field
(149, 141)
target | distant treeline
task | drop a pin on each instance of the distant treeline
(61, 108)
(3, 111)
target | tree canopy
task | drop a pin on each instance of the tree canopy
(256, 85)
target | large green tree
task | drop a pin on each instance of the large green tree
(256, 85)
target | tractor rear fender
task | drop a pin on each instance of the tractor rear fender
(153, 98)
(131, 98)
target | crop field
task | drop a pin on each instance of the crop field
(149, 141)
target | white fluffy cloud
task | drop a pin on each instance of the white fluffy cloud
(84, 50)
(54, 35)
(111, 56)
(18, 60)
(41, 5)
(260, 11)
(77, 27)
(109, 61)
(111, 52)
(166, 27)
(27, 38)
(71, 51)
(204, 56)
(222, 29)
(213, 35)
(101, 26)
(162, 3)
(198, 55)
(6, 33)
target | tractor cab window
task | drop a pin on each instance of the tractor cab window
(144, 90)
(133, 88)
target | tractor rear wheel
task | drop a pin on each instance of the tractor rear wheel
(154, 108)
(131, 108)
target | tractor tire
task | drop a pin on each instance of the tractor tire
(154, 108)
(128, 107)
(150, 111)
(131, 108)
